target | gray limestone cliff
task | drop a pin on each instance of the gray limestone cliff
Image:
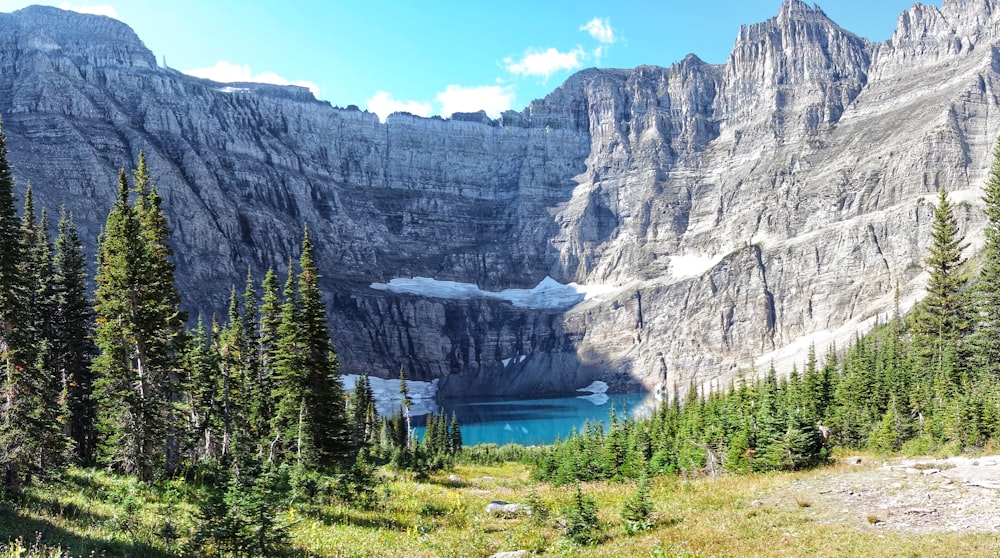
(730, 213)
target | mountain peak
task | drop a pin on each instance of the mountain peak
(798, 8)
(92, 39)
(719, 213)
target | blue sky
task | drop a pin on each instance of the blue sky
(437, 57)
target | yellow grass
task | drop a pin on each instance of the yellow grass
(439, 518)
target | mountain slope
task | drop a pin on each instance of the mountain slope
(718, 214)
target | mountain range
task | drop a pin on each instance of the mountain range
(652, 228)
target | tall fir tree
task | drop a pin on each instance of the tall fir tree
(253, 386)
(235, 401)
(945, 315)
(138, 333)
(361, 409)
(31, 441)
(162, 321)
(122, 384)
(49, 436)
(73, 348)
(12, 286)
(324, 392)
(36, 269)
(262, 404)
(201, 363)
(310, 414)
(987, 346)
(287, 362)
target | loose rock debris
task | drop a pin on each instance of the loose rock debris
(907, 495)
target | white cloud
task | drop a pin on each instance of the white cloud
(493, 99)
(383, 105)
(104, 9)
(598, 53)
(600, 29)
(227, 72)
(546, 62)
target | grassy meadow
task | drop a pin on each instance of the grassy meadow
(93, 513)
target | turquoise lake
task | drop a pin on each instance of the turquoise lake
(536, 421)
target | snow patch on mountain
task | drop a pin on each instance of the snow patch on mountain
(548, 294)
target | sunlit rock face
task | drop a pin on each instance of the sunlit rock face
(710, 216)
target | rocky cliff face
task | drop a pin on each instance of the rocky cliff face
(730, 213)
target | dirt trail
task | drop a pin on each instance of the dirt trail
(909, 495)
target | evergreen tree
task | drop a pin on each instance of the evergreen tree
(239, 516)
(254, 391)
(232, 348)
(323, 391)
(430, 433)
(582, 525)
(361, 408)
(29, 433)
(404, 394)
(945, 315)
(40, 389)
(263, 404)
(138, 333)
(988, 288)
(638, 508)
(454, 436)
(162, 323)
(36, 269)
(288, 367)
(201, 363)
(73, 349)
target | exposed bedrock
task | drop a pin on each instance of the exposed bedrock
(716, 215)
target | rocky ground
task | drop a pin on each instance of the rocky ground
(903, 495)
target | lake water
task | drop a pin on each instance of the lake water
(535, 421)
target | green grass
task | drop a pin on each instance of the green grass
(88, 511)
(93, 513)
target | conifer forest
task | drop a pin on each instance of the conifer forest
(105, 372)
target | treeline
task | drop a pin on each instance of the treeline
(251, 405)
(923, 382)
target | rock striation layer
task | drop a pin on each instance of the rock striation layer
(732, 213)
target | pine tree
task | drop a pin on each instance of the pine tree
(254, 387)
(40, 388)
(12, 285)
(404, 394)
(73, 348)
(361, 405)
(232, 348)
(139, 335)
(430, 433)
(988, 288)
(263, 404)
(323, 391)
(122, 409)
(201, 364)
(637, 511)
(454, 436)
(29, 433)
(288, 365)
(36, 269)
(945, 315)
(582, 525)
(162, 322)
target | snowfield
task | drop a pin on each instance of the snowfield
(548, 294)
(683, 267)
(388, 399)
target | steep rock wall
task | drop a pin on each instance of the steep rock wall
(735, 212)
